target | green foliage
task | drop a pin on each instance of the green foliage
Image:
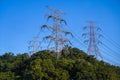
(43, 65)
(7, 75)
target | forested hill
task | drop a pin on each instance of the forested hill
(43, 65)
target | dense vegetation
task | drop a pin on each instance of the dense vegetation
(43, 65)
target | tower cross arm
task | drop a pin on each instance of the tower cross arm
(67, 32)
(46, 26)
(49, 37)
(55, 10)
(84, 34)
(86, 41)
(98, 34)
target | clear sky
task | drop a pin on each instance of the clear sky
(20, 20)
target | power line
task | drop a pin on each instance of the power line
(110, 49)
(77, 38)
(109, 55)
(111, 41)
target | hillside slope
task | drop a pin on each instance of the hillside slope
(43, 65)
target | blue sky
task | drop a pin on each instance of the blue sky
(20, 20)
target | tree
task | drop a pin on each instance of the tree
(7, 76)
(43, 65)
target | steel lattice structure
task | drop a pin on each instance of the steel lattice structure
(92, 40)
(34, 45)
(57, 34)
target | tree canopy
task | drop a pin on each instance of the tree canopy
(44, 65)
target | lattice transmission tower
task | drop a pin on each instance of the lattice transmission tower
(34, 45)
(92, 39)
(57, 35)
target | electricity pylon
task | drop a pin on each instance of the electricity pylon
(92, 40)
(57, 34)
(34, 45)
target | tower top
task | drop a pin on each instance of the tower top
(55, 10)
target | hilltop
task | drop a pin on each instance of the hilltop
(73, 64)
